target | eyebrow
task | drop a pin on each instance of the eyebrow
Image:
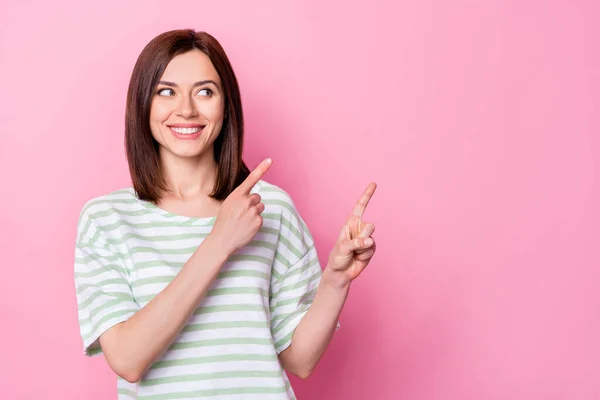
(199, 83)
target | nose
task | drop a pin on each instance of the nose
(187, 108)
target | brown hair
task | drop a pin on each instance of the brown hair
(141, 147)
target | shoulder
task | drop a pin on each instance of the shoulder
(275, 197)
(121, 197)
(293, 227)
(278, 200)
(95, 207)
(271, 190)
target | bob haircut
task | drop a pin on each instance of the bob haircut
(141, 147)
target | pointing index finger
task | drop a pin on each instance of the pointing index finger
(361, 204)
(255, 176)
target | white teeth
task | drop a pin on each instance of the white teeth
(186, 131)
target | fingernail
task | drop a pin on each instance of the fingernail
(268, 161)
(368, 241)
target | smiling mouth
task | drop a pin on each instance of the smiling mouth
(187, 131)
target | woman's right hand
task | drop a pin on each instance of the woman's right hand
(156, 323)
(239, 218)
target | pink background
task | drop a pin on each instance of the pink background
(478, 120)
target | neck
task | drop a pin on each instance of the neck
(189, 177)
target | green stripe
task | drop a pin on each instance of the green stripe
(111, 303)
(87, 257)
(272, 231)
(222, 275)
(299, 268)
(95, 237)
(300, 284)
(192, 249)
(293, 314)
(179, 251)
(144, 211)
(283, 260)
(250, 257)
(312, 262)
(262, 244)
(288, 318)
(288, 224)
(293, 249)
(235, 257)
(83, 231)
(273, 189)
(215, 392)
(112, 211)
(273, 216)
(121, 296)
(225, 325)
(144, 225)
(112, 281)
(308, 296)
(109, 201)
(100, 268)
(104, 200)
(219, 342)
(116, 211)
(284, 339)
(237, 290)
(291, 271)
(179, 264)
(213, 359)
(275, 274)
(282, 203)
(213, 292)
(212, 375)
(157, 238)
(158, 263)
(108, 198)
(127, 392)
(242, 274)
(177, 237)
(229, 308)
(108, 317)
(160, 224)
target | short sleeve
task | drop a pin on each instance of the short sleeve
(294, 283)
(104, 296)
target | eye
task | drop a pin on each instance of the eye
(205, 92)
(161, 91)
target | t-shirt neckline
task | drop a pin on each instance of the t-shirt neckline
(172, 216)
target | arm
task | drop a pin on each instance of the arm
(353, 251)
(131, 347)
(316, 328)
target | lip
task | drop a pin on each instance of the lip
(188, 136)
(185, 126)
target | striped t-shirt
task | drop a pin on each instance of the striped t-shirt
(128, 250)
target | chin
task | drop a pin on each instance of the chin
(188, 151)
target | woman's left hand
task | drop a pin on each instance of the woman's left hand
(355, 245)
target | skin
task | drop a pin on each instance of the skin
(131, 347)
(189, 165)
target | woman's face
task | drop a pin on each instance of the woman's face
(186, 113)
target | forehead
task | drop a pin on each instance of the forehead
(190, 67)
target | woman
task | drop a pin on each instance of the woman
(201, 280)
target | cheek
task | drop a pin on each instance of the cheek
(212, 110)
(158, 113)
(157, 117)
